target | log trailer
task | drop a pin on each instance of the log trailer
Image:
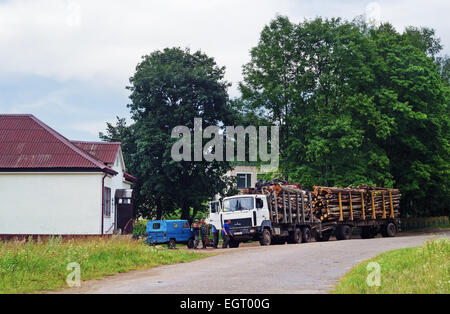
(276, 215)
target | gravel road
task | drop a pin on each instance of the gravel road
(302, 268)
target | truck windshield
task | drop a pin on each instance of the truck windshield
(239, 203)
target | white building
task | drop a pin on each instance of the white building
(50, 185)
(246, 175)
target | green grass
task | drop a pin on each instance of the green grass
(36, 266)
(424, 269)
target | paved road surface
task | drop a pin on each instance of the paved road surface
(303, 268)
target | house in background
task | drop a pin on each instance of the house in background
(246, 175)
(50, 185)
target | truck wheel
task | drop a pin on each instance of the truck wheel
(190, 244)
(343, 232)
(234, 244)
(390, 230)
(266, 238)
(295, 237)
(306, 235)
(325, 236)
(172, 244)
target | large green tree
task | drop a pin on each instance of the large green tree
(356, 104)
(171, 88)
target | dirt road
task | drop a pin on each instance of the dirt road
(303, 268)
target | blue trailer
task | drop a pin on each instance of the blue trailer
(170, 232)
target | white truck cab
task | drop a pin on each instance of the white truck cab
(247, 213)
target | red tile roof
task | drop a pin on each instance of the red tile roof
(129, 177)
(104, 151)
(28, 143)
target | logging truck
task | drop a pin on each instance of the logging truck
(291, 215)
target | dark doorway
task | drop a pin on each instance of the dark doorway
(124, 210)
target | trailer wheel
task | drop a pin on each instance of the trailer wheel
(389, 230)
(325, 236)
(190, 244)
(295, 237)
(172, 244)
(266, 238)
(306, 235)
(343, 232)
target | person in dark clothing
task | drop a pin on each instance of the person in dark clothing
(215, 233)
(195, 230)
(226, 234)
(204, 232)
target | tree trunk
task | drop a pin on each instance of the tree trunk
(185, 213)
(159, 209)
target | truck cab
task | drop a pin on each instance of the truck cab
(248, 215)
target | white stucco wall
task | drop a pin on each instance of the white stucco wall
(50, 203)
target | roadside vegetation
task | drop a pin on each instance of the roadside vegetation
(438, 227)
(32, 266)
(424, 269)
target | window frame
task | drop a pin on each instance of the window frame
(247, 177)
(107, 206)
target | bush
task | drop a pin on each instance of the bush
(139, 227)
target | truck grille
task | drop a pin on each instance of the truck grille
(243, 222)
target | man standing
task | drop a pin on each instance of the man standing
(203, 232)
(226, 234)
(195, 230)
(215, 233)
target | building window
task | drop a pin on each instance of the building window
(244, 180)
(107, 204)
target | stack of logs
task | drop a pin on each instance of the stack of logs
(362, 202)
(289, 203)
(329, 203)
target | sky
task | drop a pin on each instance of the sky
(68, 61)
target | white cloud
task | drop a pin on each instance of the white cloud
(101, 41)
(54, 102)
(92, 128)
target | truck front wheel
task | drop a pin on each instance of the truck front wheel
(234, 244)
(266, 238)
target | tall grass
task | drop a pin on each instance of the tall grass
(424, 269)
(35, 265)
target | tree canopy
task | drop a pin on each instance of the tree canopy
(170, 88)
(356, 104)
